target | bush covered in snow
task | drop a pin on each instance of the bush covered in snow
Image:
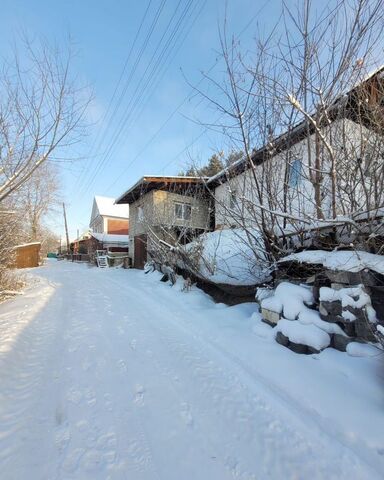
(231, 256)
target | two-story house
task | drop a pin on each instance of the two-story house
(109, 225)
(172, 209)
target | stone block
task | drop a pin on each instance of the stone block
(270, 316)
(282, 339)
(298, 348)
(312, 350)
(377, 296)
(268, 322)
(365, 277)
(340, 342)
(359, 313)
(365, 330)
(338, 286)
(330, 308)
(349, 328)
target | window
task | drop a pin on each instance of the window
(233, 201)
(183, 211)
(295, 173)
(140, 213)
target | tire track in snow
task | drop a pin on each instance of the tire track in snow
(300, 416)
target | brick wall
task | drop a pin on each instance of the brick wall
(118, 227)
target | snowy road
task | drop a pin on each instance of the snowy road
(114, 375)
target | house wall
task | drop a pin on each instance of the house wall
(117, 226)
(343, 135)
(164, 209)
(159, 210)
(97, 224)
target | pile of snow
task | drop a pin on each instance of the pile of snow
(300, 323)
(355, 349)
(230, 257)
(309, 335)
(354, 297)
(289, 299)
(350, 261)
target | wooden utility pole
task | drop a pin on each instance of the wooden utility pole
(66, 227)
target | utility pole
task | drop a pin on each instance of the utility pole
(66, 227)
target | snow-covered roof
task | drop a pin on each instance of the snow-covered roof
(107, 207)
(285, 139)
(28, 244)
(159, 182)
(111, 238)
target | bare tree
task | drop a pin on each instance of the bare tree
(41, 111)
(10, 235)
(308, 118)
(38, 198)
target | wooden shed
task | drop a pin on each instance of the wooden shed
(28, 255)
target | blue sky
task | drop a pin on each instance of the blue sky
(103, 33)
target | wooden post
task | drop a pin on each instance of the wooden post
(66, 228)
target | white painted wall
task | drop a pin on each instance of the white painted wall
(342, 133)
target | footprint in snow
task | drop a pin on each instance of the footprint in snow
(74, 396)
(139, 394)
(186, 415)
(62, 438)
(122, 365)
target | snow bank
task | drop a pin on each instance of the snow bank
(230, 257)
(309, 335)
(345, 261)
(355, 349)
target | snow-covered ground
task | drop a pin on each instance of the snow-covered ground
(111, 374)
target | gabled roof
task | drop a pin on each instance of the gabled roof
(343, 107)
(106, 207)
(178, 184)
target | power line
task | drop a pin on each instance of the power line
(105, 115)
(150, 73)
(134, 68)
(139, 154)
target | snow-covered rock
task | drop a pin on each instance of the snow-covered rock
(308, 335)
(349, 261)
(288, 299)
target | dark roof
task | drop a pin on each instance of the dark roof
(345, 106)
(178, 184)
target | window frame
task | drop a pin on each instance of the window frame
(295, 173)
(140, 213)
(184, 208)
